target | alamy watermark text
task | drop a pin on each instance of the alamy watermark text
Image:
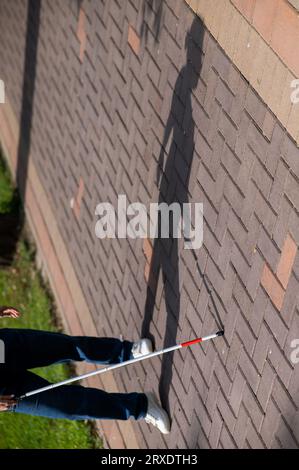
(163, 221)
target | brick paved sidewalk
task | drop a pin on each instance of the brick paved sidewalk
(115, 83)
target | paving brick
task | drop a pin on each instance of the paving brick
(272, 287)
(253, 409)
(255, 108)
(236, 393)
(225, 253)
(280, 363)
(253, 438)
(208, 364)
(276, 324)
(262, 179)
(253, 280)
(242, 298)
(290, 154)
(240, 429)
(257, 142)
(192, 433)
(247, 158)
(275, 148)
(268, 125)
(286, 104)
(286, 406)
(226, 440)
(81, 33)
(245, 333)
(203, 442)
(224, 96)
(263, 16)
(228, 129)
(237, 109)
(221, 63)
(215, 430)
(78, 200)
(247, 8)
(285, 436)
(201, 387)
(233, 195)
(278, 186)
(240, 263)
(286, 261)
(293, 226)
(296, 266)
(282, 37)
(292, 190)
(212, 396)
(221, 223)
(270, 423)
(282, 222)
(204, 417)
(272, 62)
(231, 162)
(133, 40)
(251, 198)
(266, 385)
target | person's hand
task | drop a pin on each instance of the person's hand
(9, 312)
(7, 402)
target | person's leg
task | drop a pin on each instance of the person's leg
(27, 349)
(75, 402)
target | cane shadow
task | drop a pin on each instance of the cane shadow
(12, 221)
(173, 183)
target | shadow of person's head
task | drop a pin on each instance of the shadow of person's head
(194, 50)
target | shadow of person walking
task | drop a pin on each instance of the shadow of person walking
(11, 223)
(173, 183)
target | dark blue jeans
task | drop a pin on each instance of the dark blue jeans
(28, 349)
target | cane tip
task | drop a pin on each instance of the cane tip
(220, 333)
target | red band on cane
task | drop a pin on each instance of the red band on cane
(194, 341)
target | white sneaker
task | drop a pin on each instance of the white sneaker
(142, 347)
(156, 415)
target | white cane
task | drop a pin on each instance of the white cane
(122, 364)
